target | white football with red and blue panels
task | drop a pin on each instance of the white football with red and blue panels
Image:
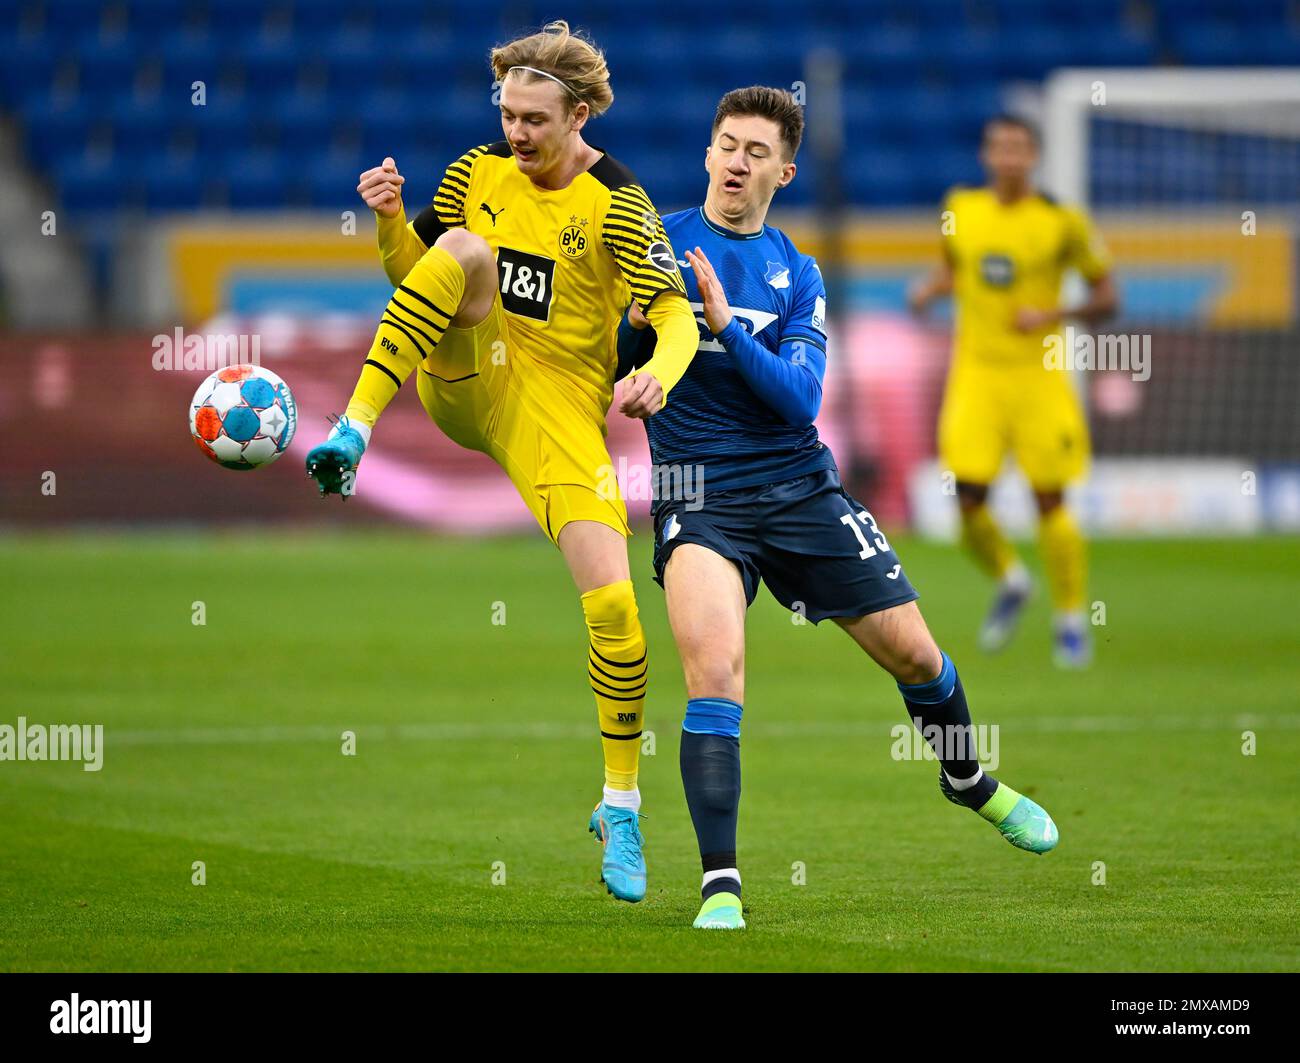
(243, 416)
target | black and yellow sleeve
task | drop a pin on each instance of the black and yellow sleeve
(633, 233)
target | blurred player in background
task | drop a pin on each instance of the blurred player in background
(509, 291)
(1006, 249)
(773, 507)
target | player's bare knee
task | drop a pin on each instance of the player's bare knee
(918, 663)
(467, 248)
(476, 259)
(716, 676)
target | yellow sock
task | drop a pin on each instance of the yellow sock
(1065, 556)
(414, 320)
(617, 670)
(984, 540)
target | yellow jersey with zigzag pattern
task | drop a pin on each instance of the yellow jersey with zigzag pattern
(568, 260)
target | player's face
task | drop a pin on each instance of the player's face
(537, 124)
(746, 164)
(1009, 154)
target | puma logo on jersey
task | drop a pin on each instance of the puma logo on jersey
(493, 214)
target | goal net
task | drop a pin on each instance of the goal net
(1194, 179)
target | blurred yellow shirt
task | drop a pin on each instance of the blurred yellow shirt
(1006, 256)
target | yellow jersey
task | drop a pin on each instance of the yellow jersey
(568, 260)
(1005, 256)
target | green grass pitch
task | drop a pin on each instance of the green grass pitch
(476, 750)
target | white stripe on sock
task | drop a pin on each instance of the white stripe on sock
(965, 784)
(623, 798)
(726, 872)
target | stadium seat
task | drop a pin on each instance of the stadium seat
(346, 82)
(170, 183)
(88, 183)
(57, 123)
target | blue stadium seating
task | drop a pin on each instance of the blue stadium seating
(301, 95)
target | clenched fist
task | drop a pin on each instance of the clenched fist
(381, 188)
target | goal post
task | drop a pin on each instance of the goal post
(1193, 176)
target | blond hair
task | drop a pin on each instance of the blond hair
(570, 58)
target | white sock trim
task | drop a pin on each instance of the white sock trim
(725, 872)
(363, 430)
(1017, 577)
(1071, 620)
(964, 784)
(624, 798)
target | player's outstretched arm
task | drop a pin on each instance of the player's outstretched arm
(633, 233)
(677, 340)
(790, 382)
(400, 247)
(635, 342)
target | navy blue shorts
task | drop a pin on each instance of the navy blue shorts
(815, 546)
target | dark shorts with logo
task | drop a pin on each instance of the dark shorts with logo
(793, 536)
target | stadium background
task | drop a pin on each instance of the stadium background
(226, 646)
(192, 166)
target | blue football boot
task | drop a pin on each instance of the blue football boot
(622, 868)
(333, 464)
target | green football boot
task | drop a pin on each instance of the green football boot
(1019, 819)
(722, 911)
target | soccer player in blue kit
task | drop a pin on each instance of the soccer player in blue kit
(772, 507)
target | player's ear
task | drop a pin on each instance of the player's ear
(578, 116)
(787, 174)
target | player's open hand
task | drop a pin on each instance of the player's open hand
(643, 395)
(381, 188)
(717, 314)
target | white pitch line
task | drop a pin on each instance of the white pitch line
(551, 730)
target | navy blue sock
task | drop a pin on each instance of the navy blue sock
(710, 763)
(938, 710)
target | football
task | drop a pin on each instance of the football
(243, 416)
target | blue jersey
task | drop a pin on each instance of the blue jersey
(744, 410)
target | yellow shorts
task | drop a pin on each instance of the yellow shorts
(544, 434)
(1026, 410)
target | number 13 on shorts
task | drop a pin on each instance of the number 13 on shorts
(867, 521)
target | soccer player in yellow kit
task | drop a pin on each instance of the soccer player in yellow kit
(510, 287)
(1006, 249)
